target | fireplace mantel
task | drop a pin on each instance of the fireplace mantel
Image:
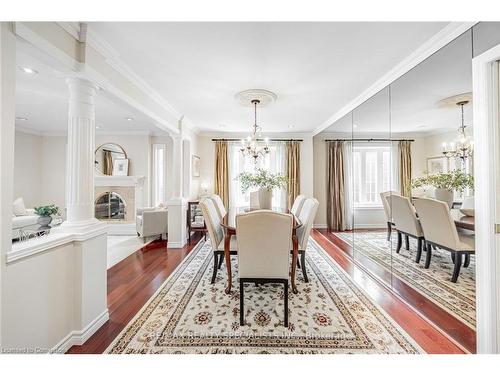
(137, 181)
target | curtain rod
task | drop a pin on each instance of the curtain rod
(260, 140)
(369, 140)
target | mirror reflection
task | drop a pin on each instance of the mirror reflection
(105, 157)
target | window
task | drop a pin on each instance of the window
(159, 184)
(274, 162)
(371, 174)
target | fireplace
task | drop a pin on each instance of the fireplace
(110, 206)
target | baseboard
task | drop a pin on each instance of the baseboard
(370, 226)
(175, 245)
(79, 337)
(125, 229)
(320, 226)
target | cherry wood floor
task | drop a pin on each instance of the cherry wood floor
(135, 279)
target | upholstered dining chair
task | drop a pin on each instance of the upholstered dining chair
(406, 222)
(219, 205)
(306, 217)
(254, 199)
(385, 197)
(216, 234)
(264, 240)
(297, 204)
(440, 230)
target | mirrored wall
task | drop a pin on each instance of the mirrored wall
(387, 164)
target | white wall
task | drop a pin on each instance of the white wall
(28, 168)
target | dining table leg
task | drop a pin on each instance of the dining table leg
(227, 255)
(295, 256)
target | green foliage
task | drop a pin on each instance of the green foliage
(262, 179)
(453, 181)
(47, 210)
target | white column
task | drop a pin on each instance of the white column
(80, 155)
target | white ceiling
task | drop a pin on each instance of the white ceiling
(314, 68)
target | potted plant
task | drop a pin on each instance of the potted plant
(45, 213)
(445, 184)
(265, 181)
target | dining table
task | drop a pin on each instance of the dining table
(462, 221)
(229, 225)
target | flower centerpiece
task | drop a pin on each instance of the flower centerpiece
(45, 213)
(445, 184)
(265, 181)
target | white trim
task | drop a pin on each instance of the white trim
(122, 229)
(25, 130)
(485, 106)
(137, 181)
(81, 336)
(370, 226)
(320, 226)
(438, 41)
(72, 28)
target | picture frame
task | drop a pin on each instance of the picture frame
(195, 165)
(438, 164)
(120, 167)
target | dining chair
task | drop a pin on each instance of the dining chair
(406, 222)
(219, 205)
(440, 230)
(264, 240)
(306, 217)
(385, 197)
(297, 204)
(216, 234)
(254, 199)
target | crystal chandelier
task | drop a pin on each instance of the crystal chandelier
(463, 147)
(251, 146)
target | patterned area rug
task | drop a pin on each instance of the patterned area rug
(329, 315)
(459, 299)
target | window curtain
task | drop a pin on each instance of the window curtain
(335, 205)
(108, 163)
(404, 148)
(348, 186)
(221, 186)
(292, 171)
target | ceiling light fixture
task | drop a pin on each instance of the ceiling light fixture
(28, 70)
(129, 118)
(250, 146)
(21, 119)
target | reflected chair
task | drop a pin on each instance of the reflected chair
(406, 222)
(264, 240)
(297, 205)
(385, 197)
(306, 217)
(219, 205)
(216, 234)
(440, 230)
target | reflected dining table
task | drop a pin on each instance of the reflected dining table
(229, 225)
(461, 220)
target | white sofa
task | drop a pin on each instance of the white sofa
(22, 221)
(151, 221)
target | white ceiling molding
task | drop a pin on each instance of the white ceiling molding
(25, 130)
(438, 41)
(286, 135)
(72, 28)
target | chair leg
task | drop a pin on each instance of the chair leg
(419, 250)
(286, 303)
(242, 297)
(400, 240)
(389, 231)
(298, 262)
(216, 262)
(428, 256)
(303, 262)
(221, 260)
(456, 269)
(467, 260)
(407, 242)
(452, 257)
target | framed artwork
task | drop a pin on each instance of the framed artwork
(195, 164)
(120, 167)
(438, 164)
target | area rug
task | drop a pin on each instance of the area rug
(459, 299)
(328, 315)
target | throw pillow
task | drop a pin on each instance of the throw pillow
(18, 208)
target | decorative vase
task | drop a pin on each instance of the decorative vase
(444, 195)
(44, 221)
(265, 199)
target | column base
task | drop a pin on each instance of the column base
(82, 230)
(177, 222)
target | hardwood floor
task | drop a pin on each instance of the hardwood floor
(135, 279)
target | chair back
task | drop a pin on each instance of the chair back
(437, 224)
(306, 217)
(404, 216)
(386, 198)
(297, 205)
(212, 221)
(254, 199)
(219, 205)
(264, 241)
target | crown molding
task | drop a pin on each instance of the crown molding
(25, 130)
(284, 135)
(435, 43)
(122, 132)
(72, 28)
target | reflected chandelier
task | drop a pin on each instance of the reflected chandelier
(463, 147)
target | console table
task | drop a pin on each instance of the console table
(193, 219)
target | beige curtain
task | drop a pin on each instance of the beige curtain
(292, 171)
(404, 148)
(222, 172)
(335, 205)
(108, 163)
